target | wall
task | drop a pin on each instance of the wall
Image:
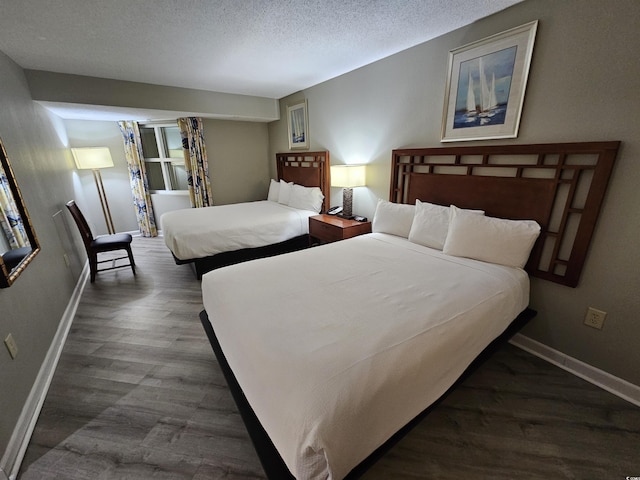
(583, 86)
(32, 307)
(238, 154)
(131, 99)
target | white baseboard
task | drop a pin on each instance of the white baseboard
(19, 441)
(619, 387)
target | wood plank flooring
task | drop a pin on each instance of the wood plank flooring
(138, 395)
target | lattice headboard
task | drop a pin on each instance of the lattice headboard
(561, 186)
(309, 169)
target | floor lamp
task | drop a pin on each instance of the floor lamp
(95, 158)
(347, 177)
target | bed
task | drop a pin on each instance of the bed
(211, 237)
(333, 352)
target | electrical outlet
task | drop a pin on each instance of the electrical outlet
(595, 318)
(12, 346)
(66, 260)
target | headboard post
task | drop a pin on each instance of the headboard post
(561, 186)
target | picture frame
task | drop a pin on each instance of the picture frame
(298, 126)
(486, 83)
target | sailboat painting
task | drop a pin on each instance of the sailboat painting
(298, 125)
(486, 83)
(483, 89)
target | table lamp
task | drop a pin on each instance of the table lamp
(347, 177)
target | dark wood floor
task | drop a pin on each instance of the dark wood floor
(138, 395)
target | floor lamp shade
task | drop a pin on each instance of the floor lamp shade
(348, 177)
(95, 158)
(91, 158)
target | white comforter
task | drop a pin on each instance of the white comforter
(202, 232)
(337, 347)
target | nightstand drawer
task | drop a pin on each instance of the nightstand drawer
(324, 231)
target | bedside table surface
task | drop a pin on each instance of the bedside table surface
(336, 220)
(330, 228)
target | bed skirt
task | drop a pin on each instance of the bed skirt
(201, 266)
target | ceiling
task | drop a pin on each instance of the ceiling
(266, 48)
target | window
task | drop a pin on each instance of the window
(163, 158)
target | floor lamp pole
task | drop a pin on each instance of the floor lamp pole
(103, 201)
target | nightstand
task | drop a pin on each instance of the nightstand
(330, 228)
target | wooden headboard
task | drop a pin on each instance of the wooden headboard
(309, 169)
(561, 186)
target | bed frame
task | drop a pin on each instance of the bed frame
(309, 169)
(545, 183)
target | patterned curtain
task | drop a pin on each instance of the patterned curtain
(10, 219)
(138, 178)
(195, 161)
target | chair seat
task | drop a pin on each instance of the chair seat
(110, 242)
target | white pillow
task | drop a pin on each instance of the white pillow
(284, 192)
(431, 224)
(306, 198)
(274, 189)
(495, 240)
(393, 218)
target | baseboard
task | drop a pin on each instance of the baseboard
(19, 441)
(617, 386)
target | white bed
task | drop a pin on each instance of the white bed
(213, 237)
(202, 232)
(336, 348)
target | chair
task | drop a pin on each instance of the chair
(101, 244)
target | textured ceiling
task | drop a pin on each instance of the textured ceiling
(268, 48)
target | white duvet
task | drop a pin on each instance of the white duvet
(202, 232)
(339, 346)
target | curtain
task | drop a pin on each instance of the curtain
(10, 219)
(138, 178)
(195, 161)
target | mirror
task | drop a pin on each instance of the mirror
(18, 242)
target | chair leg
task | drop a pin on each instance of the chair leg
(133, 263)
(93, 266)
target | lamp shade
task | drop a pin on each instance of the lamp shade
(348, 176)
(92, 157)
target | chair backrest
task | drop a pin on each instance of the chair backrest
(81, 222)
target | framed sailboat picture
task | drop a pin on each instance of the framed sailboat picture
(297, 119)
(486, 82)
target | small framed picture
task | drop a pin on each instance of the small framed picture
(486, 82)
(298, 122)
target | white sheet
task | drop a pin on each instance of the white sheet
(337, 347)
(202, 232)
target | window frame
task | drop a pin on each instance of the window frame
(164, 159)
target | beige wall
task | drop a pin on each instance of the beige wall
(133, 99)
(33, 306)
(583, 86)
(238, 154)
